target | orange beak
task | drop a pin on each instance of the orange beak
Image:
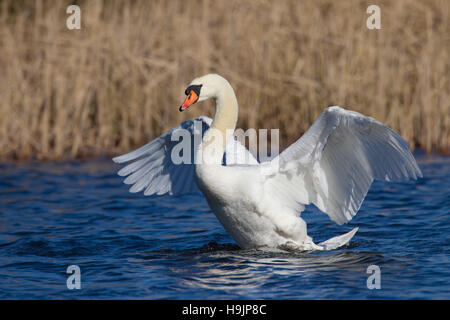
(191, 98)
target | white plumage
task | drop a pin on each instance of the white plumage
(331, 166)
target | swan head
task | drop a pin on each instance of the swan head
(203, 88)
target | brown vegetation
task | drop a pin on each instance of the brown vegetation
(118, 82)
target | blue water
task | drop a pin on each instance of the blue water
(53, 215)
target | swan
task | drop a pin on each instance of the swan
(331, 166)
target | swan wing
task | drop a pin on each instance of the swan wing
(161, 166)
(334, 163)
(238, 154)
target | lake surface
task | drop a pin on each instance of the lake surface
(53, 215)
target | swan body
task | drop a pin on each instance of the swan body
(331, 166)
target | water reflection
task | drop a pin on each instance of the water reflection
(243, 270)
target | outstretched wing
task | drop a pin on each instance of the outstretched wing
(334, 163)
(166, 164)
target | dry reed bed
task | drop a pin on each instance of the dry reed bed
(118, 81)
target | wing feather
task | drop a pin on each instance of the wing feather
(152, 170)
(337, 160)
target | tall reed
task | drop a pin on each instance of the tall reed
(117, 82)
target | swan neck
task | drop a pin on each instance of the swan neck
(226, 114)
(222, 128)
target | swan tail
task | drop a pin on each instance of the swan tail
(338, 241)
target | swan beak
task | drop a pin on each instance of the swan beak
(191, 98)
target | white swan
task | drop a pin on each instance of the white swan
(332, 166)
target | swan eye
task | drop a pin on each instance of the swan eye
(195, 87)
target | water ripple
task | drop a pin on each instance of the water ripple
(53, 215)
